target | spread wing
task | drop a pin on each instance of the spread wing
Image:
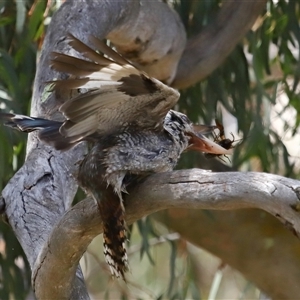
(114, 95)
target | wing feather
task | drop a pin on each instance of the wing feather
(115, 92)
(82, 129)
(102, 47)
(73, 65)
(69, 84)
(87, 52)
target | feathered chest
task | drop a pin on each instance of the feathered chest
(131, 152)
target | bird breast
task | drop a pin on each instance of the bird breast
(140, 153)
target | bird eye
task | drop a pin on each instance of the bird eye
(177, 118)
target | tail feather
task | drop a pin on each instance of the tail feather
(114, 233)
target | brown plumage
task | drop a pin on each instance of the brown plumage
(114, 233)
(126, 116)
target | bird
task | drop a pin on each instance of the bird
(126, 117)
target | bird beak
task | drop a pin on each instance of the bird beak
(201, 143)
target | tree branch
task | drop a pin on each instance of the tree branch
(207, 50)
(249, 240)
(192, 189)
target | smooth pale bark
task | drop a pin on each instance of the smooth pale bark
(207, 50)
(251, 241)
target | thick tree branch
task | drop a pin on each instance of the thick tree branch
(207, 50)
(249, 240)
(193, 189)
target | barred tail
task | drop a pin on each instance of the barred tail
(114, 234)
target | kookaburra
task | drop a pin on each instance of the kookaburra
(126, 116)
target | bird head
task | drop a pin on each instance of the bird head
(191, 136)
